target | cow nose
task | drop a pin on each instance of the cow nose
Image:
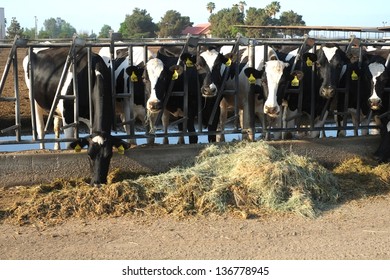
(375, 103)
(209, 91)
(271, 111)
(327, 92)
(154, 105)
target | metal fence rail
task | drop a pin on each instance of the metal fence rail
(116, 41)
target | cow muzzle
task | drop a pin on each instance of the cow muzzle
(375, 103)
(154, 106)
(327, 92)
(209, 91)
(273, 111)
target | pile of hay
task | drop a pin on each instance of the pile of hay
(242, 176)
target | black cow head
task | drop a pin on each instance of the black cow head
(330, 62)
(99, 154)
(376, 77)
(157, 78)
(208, 65)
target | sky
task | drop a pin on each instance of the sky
(91, 15)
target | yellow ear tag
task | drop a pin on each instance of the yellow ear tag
(133, 77)
(77, 148)
(354, 76)
(295, 81)
(309, 63)
(175, 75)
(251, 79)
(121, 150)
(189, 63)
(229, 62)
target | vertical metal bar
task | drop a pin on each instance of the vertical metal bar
(75, 94)
(113, 85)
(90, 89)
(31, 94)
(131, 92)
(249, 109)
(17, 99)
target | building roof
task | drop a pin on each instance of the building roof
(198, 29)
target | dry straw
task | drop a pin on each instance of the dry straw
(244, 176)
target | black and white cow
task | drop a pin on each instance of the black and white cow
(376, 82)
(158, 75)
(47, 66)
(124, 74)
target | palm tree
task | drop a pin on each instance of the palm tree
(241, 6)
(273, 8)
(210, 7)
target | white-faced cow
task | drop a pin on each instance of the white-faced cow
(47, 66)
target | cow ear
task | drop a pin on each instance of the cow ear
(120, 145)
(176, 70)
(309, 58)
(253, 74)
(297, 76)
(188, 59)
(79, 144)
(134, 72)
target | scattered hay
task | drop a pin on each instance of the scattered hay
(359, 178)
(242, 176)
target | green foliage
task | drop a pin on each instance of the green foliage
(223, 22)
(172, 24)
(105, 31)
(57, 28)
(14, 29)
(138, 25)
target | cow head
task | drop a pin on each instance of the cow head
(209, 65)
(330, 62)
(99, 154)
(157, 78)
(378, 77)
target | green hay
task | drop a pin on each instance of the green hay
(247, 177)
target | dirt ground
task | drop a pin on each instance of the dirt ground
(355, 230)
(358, 229)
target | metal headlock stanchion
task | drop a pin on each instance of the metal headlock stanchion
(308, 43)
(190, 42)
(70, 60)
(13, 59)
(221, 91)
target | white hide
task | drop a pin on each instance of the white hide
(274, 70)
(376, 69)
(329, 52)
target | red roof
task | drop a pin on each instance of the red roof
(198, 29)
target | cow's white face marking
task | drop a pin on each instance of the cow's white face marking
(154, 67)
(210, 56)
(329, 52)
(274, 70)
(388, 127)
(376, 69)
(98, 140)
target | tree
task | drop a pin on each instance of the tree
(14, 28)
(292, 18)
(57, 28)
(210, 7)
(241, 6)
(273, 8)
(223, 23)
(172, 24)
(138, 25)
(257, 17)
(105, 31)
